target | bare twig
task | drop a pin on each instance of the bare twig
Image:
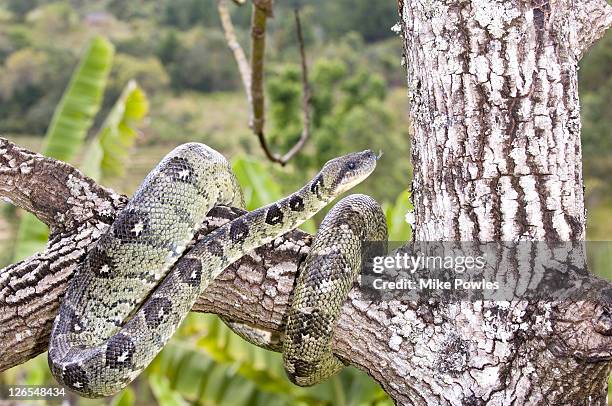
(306, 94)
(63, 199)
(234, 45)
(253, 76)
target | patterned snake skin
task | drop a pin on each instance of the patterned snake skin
(136, 286)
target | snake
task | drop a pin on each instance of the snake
(139, 280)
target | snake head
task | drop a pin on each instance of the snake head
(340, 174)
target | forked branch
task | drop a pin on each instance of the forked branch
(594, 17)
(253, 76)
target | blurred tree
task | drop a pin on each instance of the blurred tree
(131, 9)
(22, 84)
(373, 19)
(168, 47)
(30, 81)
(185, 14)
(6, 47)
(596, 97)
(21, 7)
(200, 49)
(348, 115)
(16, 37)
(52, 19)
(148, 72)
(21, 73)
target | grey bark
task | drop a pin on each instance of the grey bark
(497, 156)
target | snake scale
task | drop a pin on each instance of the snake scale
(137, 284)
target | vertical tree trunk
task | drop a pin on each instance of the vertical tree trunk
(494, 104)
(497, 157)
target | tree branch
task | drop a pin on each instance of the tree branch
(306, 94)
(234, 45)
(594, 17)
(63, 199)
(253, 77)
(403, 345)
(261, 12)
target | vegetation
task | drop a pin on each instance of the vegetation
(168, 78)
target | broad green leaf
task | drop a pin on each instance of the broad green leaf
(259, 187)
(207, 364)
(107, 153)
(81, 101)
(399, 228)
(124, 398)
(164, 394)
(71, 120)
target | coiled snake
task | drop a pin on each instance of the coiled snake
(129, 296)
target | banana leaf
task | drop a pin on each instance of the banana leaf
(72, 119)
(107, 153)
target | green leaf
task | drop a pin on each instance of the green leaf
(164, 394)
(31, 236)
(71, 120)
(81, 101)
(399, 229)
(207, 364)
(107, 153)
(259, 187)
(125, 398)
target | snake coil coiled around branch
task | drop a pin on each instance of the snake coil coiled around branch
(136, 284)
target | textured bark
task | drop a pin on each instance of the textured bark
(497, 157)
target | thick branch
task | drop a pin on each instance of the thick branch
(593, 17)
(62, 199)
(497, 157)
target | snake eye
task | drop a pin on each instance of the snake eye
(351, 165)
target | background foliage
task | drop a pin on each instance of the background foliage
(163, 76)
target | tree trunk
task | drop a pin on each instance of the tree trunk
(497, 157)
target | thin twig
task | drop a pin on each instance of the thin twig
(306, 94)
(253, 76)
(234, 45)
